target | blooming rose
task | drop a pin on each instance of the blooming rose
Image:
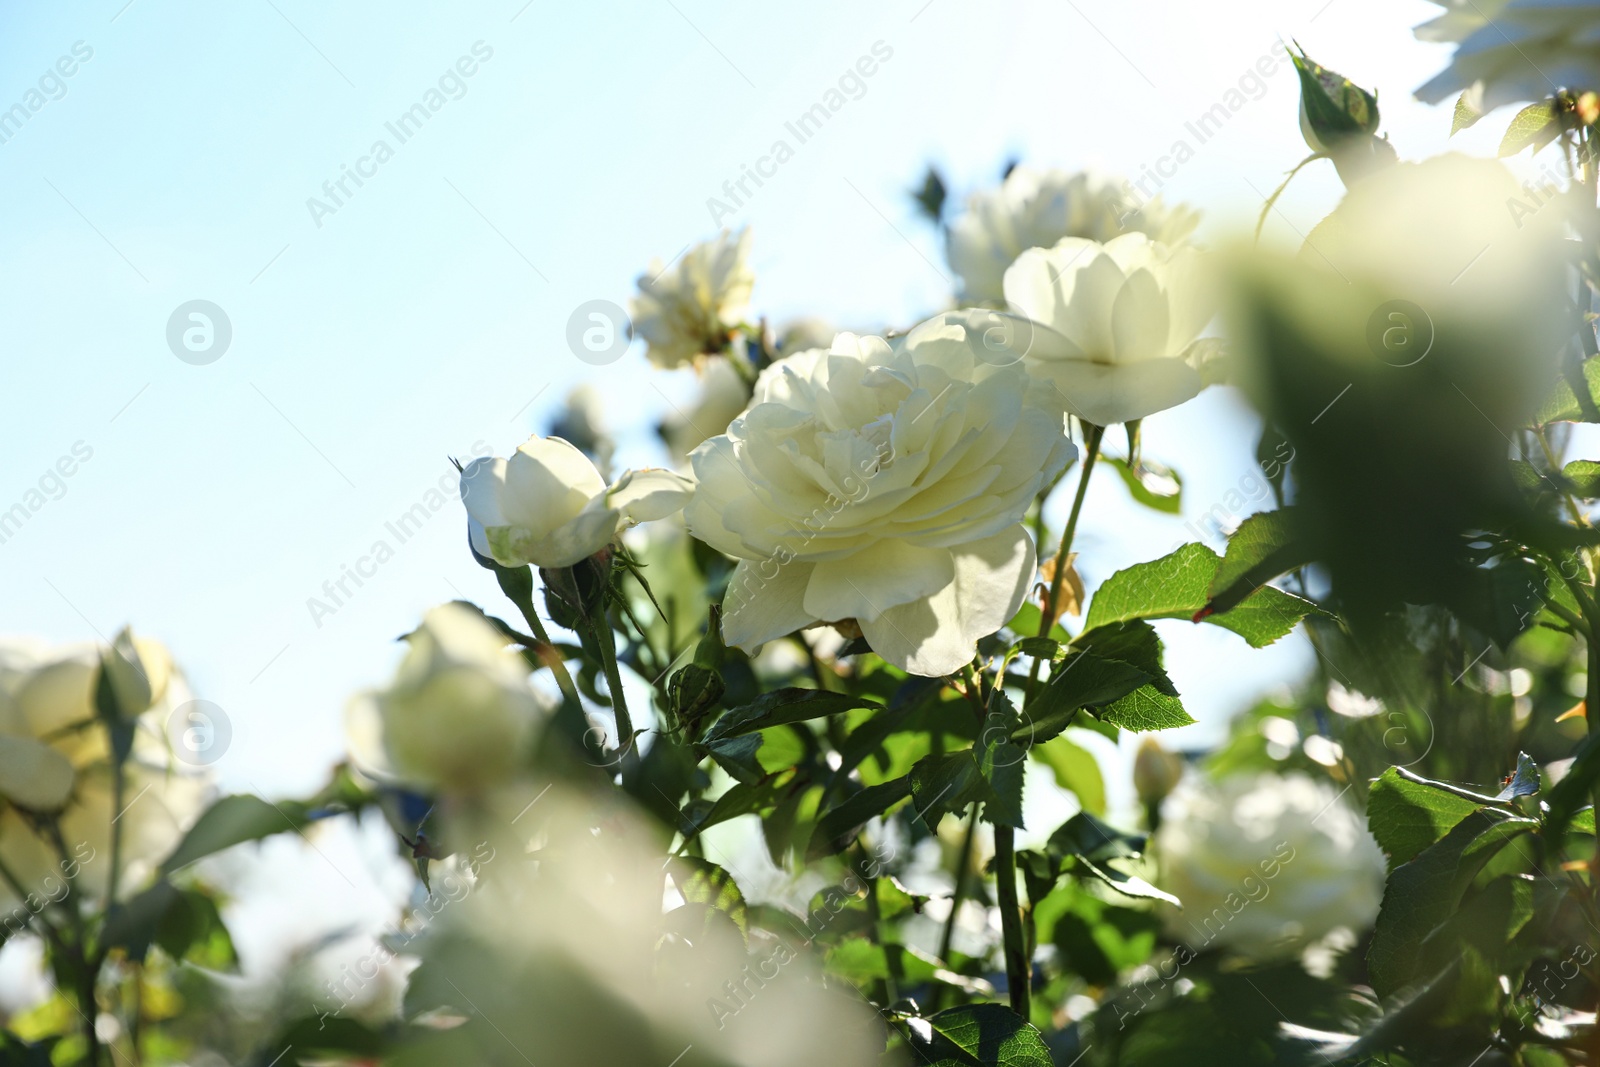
(1511, 52)
(1265, 865)
(1035, 209)
(547, 505)
(884, 483)
(459, 714)
(55, 758)
(1123, 321)
(687, 308)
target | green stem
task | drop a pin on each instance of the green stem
(1047, 610)
(957, 898)
(523, 599)
(1018, 973)
(601, 628)
(119, 788)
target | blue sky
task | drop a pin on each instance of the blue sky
(426, 316)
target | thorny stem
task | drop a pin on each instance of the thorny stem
(552, 658)
(608, 659)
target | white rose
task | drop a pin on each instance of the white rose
(1034, 209)
(459, 715)
(548, 505)
(1123, 321)
(1514, 52)
(49, 725)
(885, 483)
(686, 309)
(1265, 865)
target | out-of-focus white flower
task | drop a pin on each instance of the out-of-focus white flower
(547, 505)
(459, 715)
(1265, 865)
(883, 483)
(723, 395)
(55, 759)
(538, 952)
(1122, 321)
(686, 308)
(1036, 209)
(1514, 50)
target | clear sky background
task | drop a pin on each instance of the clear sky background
(428, 313)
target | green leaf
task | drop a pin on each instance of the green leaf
(785, 706)
(1426, 890)
(742, 799)
(1564, 405)
(944, 784)
(737, 756)
(1084, 680)
(1178, 586)
(192, 928)
(1261, 549)
(234, 820)
(1076, 770)
(1133, 642)
(1407, 813)
(987, 1035)
(838, 828)
(703, 882)
(132, 924)
(1584, 475)
(1567, 795)
(1465, 114)
(1146, 709)
(1151, 484)
(1093, 844)
(1523, 782)
(1536, 125)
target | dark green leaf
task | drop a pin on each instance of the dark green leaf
(838, 828)
(1407, 813)
(1426, 890)
(1083, 680)
(987, 1035)
(785, 706)
(132, 924)
(1336, 109)
(737, 756)
(944, 784)
(703, 882)
(1262, 548)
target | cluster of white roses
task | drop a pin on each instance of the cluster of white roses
(56, 767)
(879, 483)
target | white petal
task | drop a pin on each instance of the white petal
(939, 635)
(1139, 319)
(481, 483)
(1104, 395)
(547, 482)
(765, 601)
(33, 775)
(867, 583)
(650, 494)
